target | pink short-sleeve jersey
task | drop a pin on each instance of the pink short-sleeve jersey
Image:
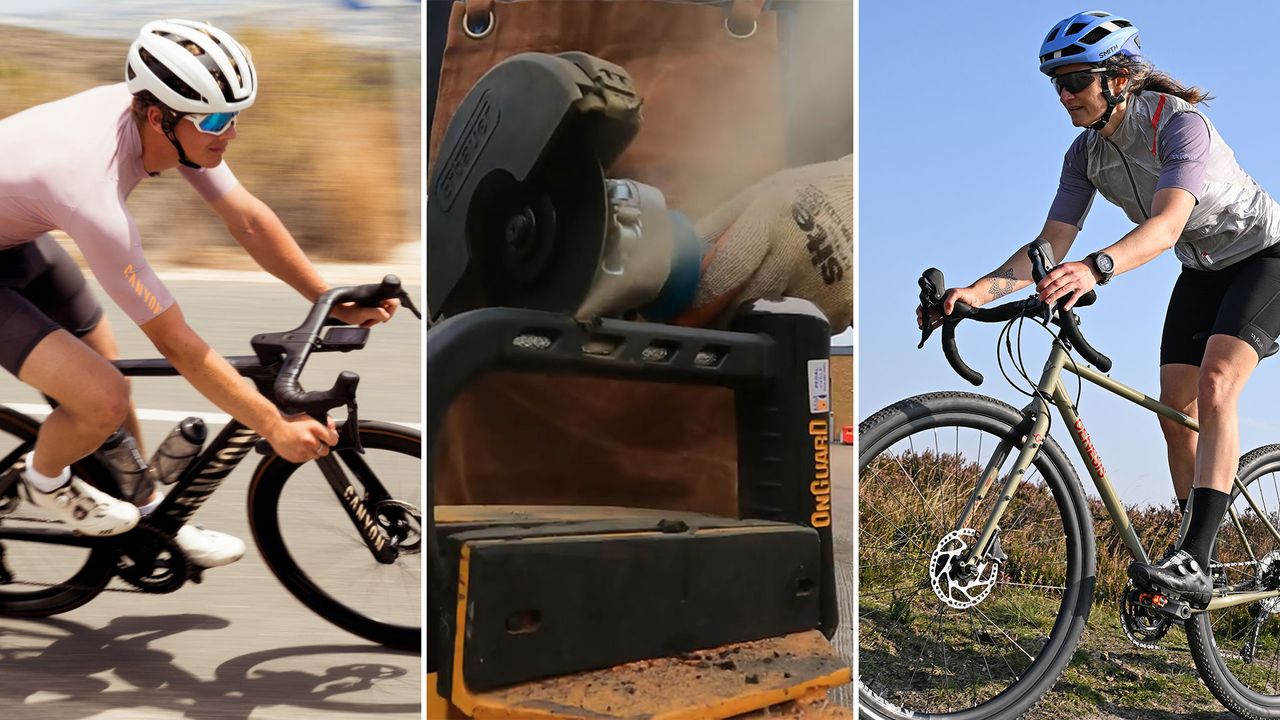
(70, 165)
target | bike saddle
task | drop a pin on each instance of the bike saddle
(520, 213)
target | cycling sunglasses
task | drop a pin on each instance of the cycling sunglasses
(213, 124)
(1074, 82)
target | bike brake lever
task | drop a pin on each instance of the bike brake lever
(931, 283)
(403, 296)
(351, 429)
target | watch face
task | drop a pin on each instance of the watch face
(1104, 262)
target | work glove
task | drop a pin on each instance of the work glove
(789, 235)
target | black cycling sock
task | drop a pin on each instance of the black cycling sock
(1182, 505)
(1207, 508)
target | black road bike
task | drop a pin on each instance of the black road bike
(363, 575)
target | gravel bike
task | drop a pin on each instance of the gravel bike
(977, 556)
(363, 575)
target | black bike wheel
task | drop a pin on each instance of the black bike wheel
(319, 554)
(1237, 649)
(42, 579)
(991, 651)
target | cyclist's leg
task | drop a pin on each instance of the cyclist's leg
(59, 289)
(92, 398)
(1247, 323)
(1193, 308)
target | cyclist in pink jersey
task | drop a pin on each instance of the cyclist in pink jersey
(70, 165)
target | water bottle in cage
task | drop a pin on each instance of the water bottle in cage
(121, 456)
(176, 453)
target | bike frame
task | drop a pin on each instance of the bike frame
(1051, 388)
(223, 454)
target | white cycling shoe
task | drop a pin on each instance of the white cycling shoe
(208, 548)
(84, 508)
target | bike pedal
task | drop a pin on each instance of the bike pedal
(1165, 605)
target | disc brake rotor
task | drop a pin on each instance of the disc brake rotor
(955, 586)
(402, 523)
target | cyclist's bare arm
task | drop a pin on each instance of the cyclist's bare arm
(1171, 207)
(1015, 273)
(1012, 275)
(1170, 210)
(257, 229)
(297, 439)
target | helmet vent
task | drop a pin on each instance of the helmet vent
(1052, 34)
(168, 77)
(1076, 27)
(1095, 35)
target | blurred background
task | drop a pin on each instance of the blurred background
(332, 144)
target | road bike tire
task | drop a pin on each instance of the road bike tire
(47, 579)
(333, 573)
(1245, 680)
(910, 495)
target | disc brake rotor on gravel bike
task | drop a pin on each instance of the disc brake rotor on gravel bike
(960, 588)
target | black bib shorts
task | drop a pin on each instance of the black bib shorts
(41, 290)
(1242, 300)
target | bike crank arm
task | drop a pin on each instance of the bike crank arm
(1171, 607)
(362, 517)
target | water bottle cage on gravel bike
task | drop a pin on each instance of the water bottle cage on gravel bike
(932, 284)
(293, 347)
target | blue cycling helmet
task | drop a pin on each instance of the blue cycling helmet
(1088, 37)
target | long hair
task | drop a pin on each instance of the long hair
(1143, 76)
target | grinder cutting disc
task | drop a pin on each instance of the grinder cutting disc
(517, 207)
(539, 243)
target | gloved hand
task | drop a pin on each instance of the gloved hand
(789, 235)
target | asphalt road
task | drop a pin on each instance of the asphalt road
(237, 646)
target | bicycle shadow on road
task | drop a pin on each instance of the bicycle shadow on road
(53, 669)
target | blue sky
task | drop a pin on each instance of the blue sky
(961, 143)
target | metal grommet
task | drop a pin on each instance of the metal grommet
(754, 26)
(488, 28)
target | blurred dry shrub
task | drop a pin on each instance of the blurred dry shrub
(329, 144)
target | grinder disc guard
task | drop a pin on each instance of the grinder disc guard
(517, 206)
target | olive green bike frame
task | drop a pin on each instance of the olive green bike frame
(1051, 387)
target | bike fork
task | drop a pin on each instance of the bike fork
(357, 508)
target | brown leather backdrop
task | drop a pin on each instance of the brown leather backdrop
(713, 125)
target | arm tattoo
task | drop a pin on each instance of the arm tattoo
(1002, 282)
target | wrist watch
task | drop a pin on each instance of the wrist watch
(1106, 266)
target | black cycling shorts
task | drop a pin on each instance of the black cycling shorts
(41, 290)
(1240, 300)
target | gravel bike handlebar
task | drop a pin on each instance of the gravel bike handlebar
(932, 286)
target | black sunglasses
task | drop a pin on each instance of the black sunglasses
(1074, 82)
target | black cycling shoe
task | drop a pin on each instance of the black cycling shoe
(1179, 575)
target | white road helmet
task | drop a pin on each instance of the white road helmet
(221, 78)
